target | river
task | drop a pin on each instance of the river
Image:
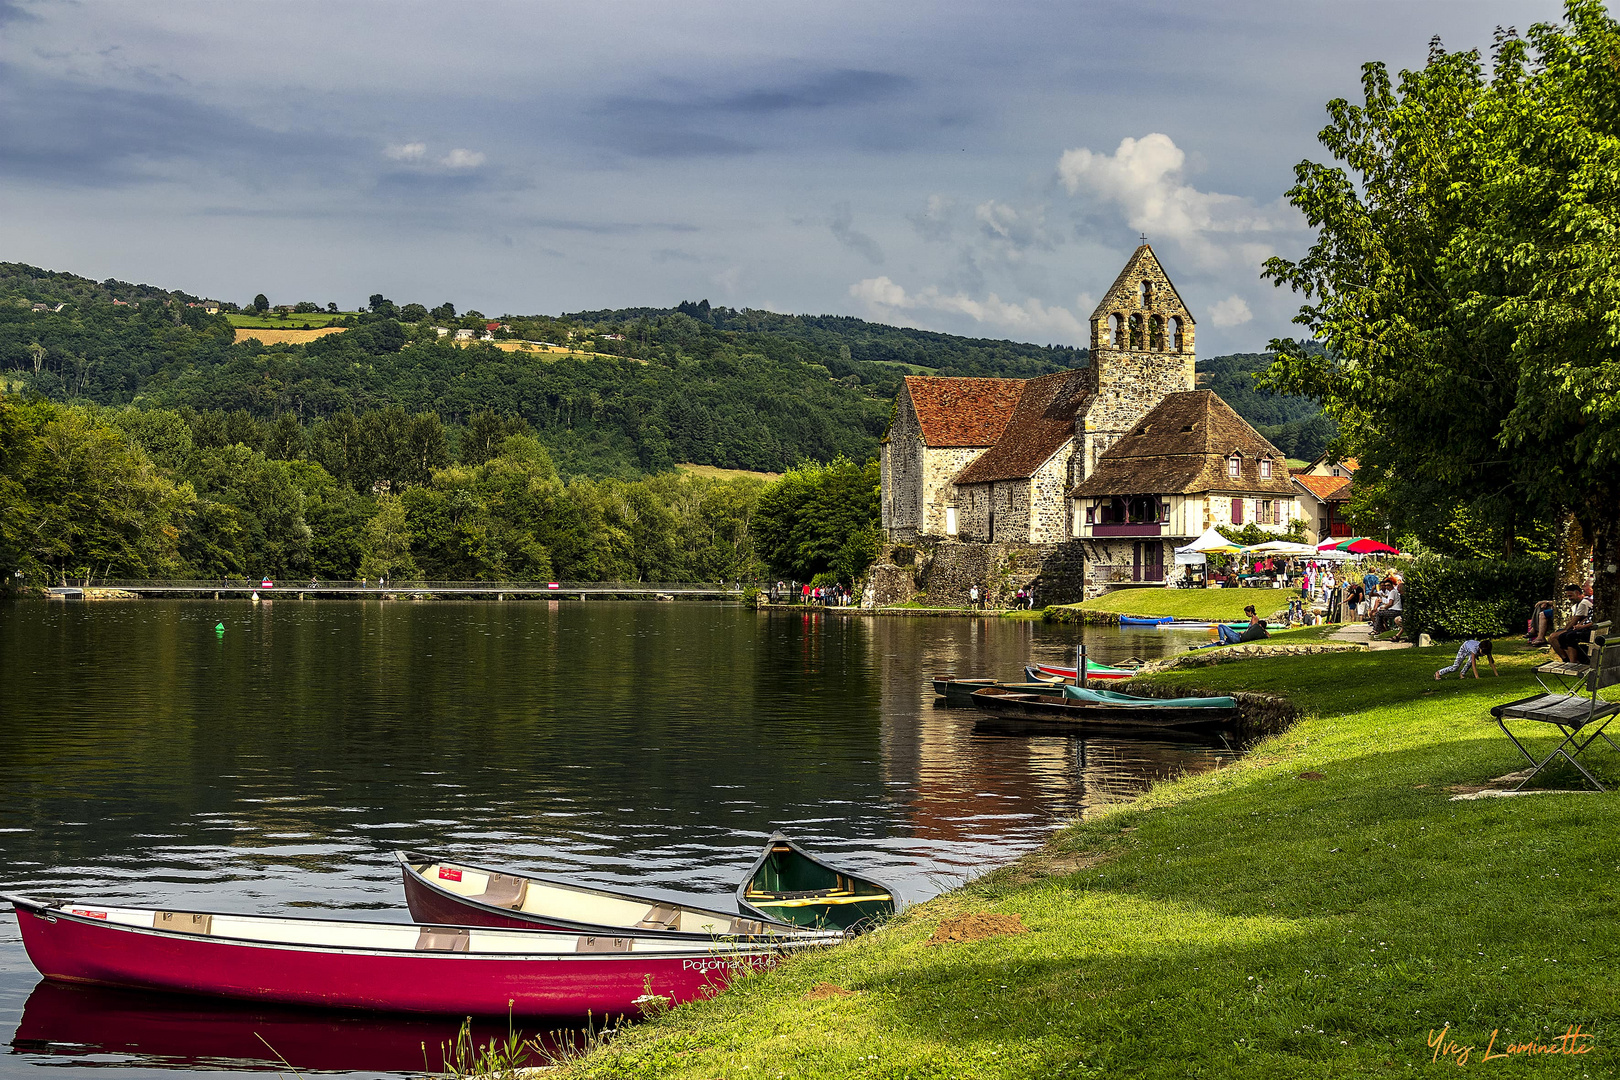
(227, 756)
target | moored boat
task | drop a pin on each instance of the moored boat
(959, 692)
(1047, 672)
(1141, 620)
(389, 967)
(440, 891)
(1081, 708)
(790, 884)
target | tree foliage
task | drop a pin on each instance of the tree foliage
(1465, 281)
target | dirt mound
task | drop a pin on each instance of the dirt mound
(975, 927)
(823, 991)
(1311, 776)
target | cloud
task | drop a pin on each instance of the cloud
(414, 151)
(462, 159)
(1012, 230)
(1143, 179)
(1233, 311)
(934, 222)
(843, 230)
(886, 299)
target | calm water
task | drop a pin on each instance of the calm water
(275, 765)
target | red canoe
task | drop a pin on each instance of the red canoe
(1094, 672)
(438, 891)
(389, 967)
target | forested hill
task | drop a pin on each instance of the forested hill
(641, 390)
(865, 342)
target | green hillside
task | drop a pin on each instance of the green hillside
(1295, 425)
(716, 386)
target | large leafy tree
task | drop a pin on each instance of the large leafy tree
(1466, 282)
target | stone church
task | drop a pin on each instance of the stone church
(991, 461)
(1010, 483)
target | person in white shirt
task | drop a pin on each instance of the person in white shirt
(1577, 630)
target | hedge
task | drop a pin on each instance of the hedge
(1452, 599)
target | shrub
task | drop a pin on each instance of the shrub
(1452, 599)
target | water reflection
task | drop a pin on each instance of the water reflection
(274, 766)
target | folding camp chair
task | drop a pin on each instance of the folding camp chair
(1580, 718)
(1569, 676)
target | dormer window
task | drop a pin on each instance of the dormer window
(1265, 468)
(1234, 466)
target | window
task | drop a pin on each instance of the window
(1265, 468)
(1116, 330)
(1136, 331)
(1268, 513)
(1091, 515)
(1234, 465)
(1237, 511)
(1178, 340)
(1156, 333)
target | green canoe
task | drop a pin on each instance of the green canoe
(791, 885)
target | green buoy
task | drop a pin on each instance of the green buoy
(219, 628)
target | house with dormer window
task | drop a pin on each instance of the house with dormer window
(1190, 463)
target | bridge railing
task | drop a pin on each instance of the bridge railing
(317, 585)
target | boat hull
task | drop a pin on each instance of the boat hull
(959, 692)
(77, 949)
(1093, 673)
(533, 903)
(1067, 716)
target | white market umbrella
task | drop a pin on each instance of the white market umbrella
(1281, 547)
(1211, 543)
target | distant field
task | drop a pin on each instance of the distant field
(546, 350)
(270, 322)
(909, 369)
(716, 473)
(287, 337)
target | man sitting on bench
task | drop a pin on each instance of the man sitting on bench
(1575, 632)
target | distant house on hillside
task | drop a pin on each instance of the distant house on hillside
(1191, 463)
(464, 335)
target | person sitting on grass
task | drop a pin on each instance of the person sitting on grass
(1578, 629)
(1468, 655)
(1256, 630)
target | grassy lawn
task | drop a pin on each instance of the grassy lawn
(715, 472)
(1211, 605)
(291, 322)
(1317, 910)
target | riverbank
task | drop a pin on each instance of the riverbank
(1323, 908)
(1195, 605)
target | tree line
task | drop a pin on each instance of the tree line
(98, 492)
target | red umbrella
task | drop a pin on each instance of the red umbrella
(1368, 546)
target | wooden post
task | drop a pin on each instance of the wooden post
(1080, 665)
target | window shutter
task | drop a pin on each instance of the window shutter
(1237, 511)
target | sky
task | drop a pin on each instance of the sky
(973, 168)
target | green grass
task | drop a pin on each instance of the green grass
(1245, 923)
(314, 320)
(1211, 605)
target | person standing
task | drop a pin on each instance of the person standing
(973, 596)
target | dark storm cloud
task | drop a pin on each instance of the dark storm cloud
(684, 120)
(68, 133)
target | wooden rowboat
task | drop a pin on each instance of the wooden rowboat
(960, 691)
(440, 891)
(387, 967)
(789, 884)
(1100, 713)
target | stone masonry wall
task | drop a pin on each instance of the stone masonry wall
(1055, 572)
(940, 468)
(1049, 513)
(903, 474)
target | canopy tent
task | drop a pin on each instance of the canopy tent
(1357, 545)
(1211, 543)
(1280, 547)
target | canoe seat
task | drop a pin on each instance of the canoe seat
(746, 927)
(602, 944)
(434, 940)
(504, 891)
(183, 921)
(660, 917)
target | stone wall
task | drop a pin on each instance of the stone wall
(1055, 572)
(940, 469)
(902, 461)
(1049, 513)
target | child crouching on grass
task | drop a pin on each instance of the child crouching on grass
(1468, 659)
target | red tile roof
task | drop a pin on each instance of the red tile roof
(1042, 422)
(962, 412)
(1326, 488)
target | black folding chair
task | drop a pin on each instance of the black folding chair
(1579, 717)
